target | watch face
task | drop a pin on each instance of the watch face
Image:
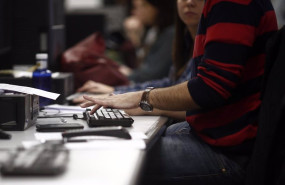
(146, 107)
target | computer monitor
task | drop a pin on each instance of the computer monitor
(91, 22)
(28, 27)
(5, 36)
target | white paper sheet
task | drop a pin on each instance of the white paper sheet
(29, 90)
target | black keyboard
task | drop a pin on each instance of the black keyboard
(108, 117)
(43, 159)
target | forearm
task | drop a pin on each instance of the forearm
(178, 115)
(175, 98)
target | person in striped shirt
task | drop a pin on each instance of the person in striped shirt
(222, 100)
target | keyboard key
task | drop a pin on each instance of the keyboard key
(108, 117)
(42, 159)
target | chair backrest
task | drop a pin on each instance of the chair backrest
(268, 160)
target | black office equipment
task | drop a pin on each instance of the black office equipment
(108, 117)
(29, 27)
(5, 34)
(62, 83)
(118, 132)
(40, 160)
(4, 135)
(18, 111)
(58, 127)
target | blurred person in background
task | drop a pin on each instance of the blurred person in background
(185, 31)
(151, 30)
(144, 47)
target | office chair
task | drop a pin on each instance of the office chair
(267, 165)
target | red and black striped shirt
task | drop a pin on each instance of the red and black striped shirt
(229, 56)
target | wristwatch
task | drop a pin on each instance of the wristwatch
(144, 104)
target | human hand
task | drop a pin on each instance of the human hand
(80, 99)
(125, 70)
(121, 101)
(132, 23)
(96, 87)
(134, 29)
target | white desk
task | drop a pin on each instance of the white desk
(102, 166)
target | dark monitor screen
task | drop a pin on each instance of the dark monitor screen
(28, 27)
(5, 29)
(91, 22)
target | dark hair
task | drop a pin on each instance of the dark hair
(181, 55)
(166, 12)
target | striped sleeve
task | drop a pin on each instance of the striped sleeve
(224, 42)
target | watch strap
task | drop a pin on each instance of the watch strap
(145, 95)
(148, 89)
